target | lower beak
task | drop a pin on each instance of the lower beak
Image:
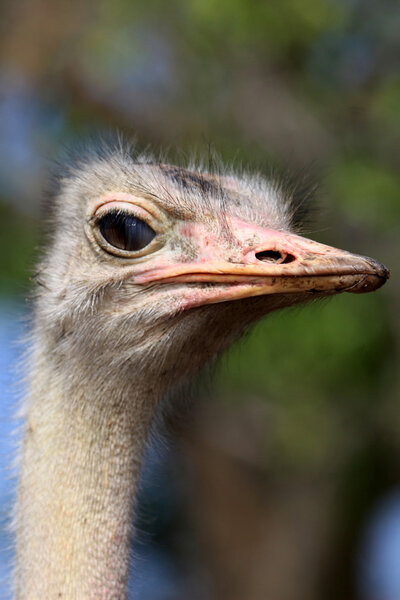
(284, 263)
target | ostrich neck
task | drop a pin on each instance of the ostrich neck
(80, 464)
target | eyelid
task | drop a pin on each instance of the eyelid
(130, 208)
(130, 201)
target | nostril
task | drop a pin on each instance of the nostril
(288, 259)
(269, 256)
(274, 256)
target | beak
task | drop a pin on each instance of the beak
(263, 261)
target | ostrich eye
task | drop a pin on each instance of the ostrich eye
(125, 231)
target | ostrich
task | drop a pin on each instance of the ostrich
(150, 272)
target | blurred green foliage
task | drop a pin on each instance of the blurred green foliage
(18, 241)
(278, 26)
(367, 191)
(341, 344)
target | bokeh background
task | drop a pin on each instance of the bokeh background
(287, 483)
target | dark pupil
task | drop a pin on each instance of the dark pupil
(125, 231)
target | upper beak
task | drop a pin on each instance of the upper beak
(274, 262)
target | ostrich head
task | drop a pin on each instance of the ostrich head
(161, 267)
